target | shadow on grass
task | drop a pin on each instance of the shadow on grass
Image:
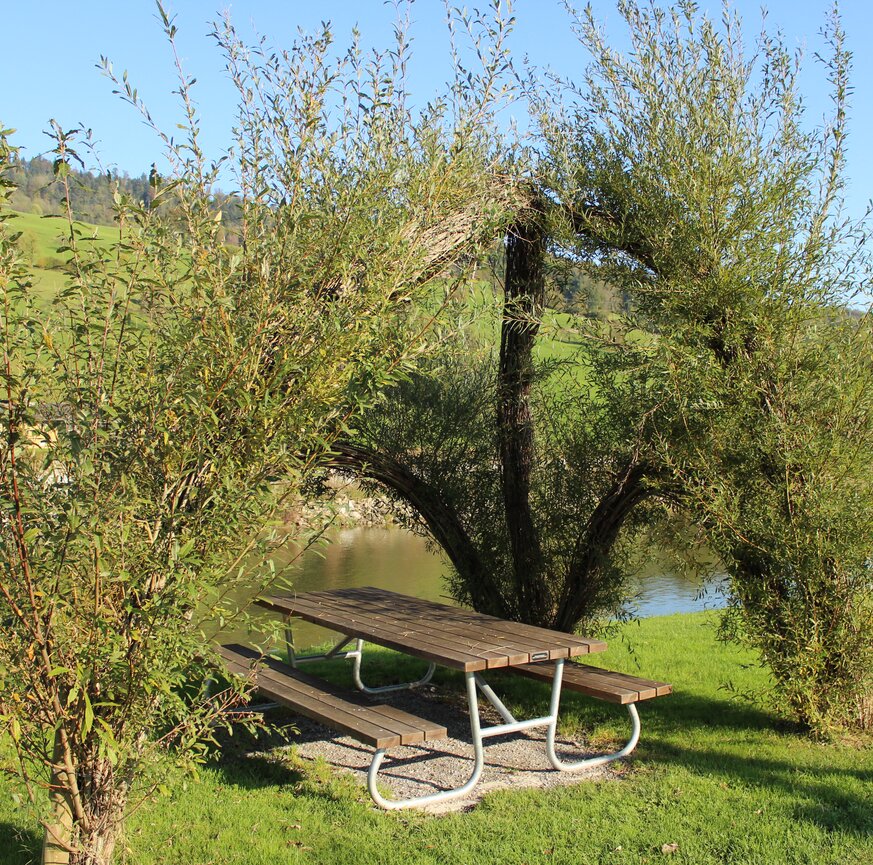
(242, 758)
(264, 760)
(832, 797)
(727, 715)
(18, 846)
(257, 771)
(826, 798)
(670, 714)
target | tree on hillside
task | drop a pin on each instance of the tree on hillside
(148, 413)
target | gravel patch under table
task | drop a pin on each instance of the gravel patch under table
(514, 761)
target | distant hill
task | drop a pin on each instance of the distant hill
(38, 201)
(91, 194)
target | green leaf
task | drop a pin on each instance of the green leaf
(88, 720)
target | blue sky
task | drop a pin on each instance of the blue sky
(50, 49)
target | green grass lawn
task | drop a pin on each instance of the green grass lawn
(724, 780)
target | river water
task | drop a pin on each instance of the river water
(400, 561)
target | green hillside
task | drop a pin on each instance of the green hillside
(40, 239)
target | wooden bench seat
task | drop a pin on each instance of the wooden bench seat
(596, 682)
(381, 726)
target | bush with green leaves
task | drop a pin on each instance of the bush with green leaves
(149, 410)
(689, 176)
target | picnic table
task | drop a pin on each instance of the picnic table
(443, 635)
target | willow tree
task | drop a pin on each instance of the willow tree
(691, 177)
(527, 467)
(737, 388)
(149, 407)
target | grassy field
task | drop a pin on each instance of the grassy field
(41, 237)
(723, 780)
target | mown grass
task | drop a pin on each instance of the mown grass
(726, 781)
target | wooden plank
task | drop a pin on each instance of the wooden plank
(385, 633)
(313, 687)
(322, 707)
(443, 612)
(411, 727)
(612, 695)
(317, 710)
(421, 633)
(397, 717)
(449, 635)
(417, 637)
(608, 681)
(646, 688)
(412, 630)
(434, 611)
(391, 637)
(319, 700)
(484, 640)
(355, 720)
(597, 682)
(532, 633)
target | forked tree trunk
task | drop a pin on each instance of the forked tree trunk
(536, 596)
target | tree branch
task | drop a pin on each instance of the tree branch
(594, 544)
(440, 517)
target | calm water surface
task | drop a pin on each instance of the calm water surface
(400, 561)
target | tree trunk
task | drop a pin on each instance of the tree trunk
(105, 799)
(57, 841)
(525, 291)
(102, 798)
(98, 848)
(586, 573)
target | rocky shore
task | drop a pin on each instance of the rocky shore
(343, 503)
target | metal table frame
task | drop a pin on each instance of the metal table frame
(475, 684)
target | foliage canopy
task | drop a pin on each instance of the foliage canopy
(149, 412)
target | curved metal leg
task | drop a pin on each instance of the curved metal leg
(600, 759)
(442, 795)
(356, 656)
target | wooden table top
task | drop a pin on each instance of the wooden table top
(450, 636)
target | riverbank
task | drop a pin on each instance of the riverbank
(395, 559)
(343, 504)
(723, 780)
